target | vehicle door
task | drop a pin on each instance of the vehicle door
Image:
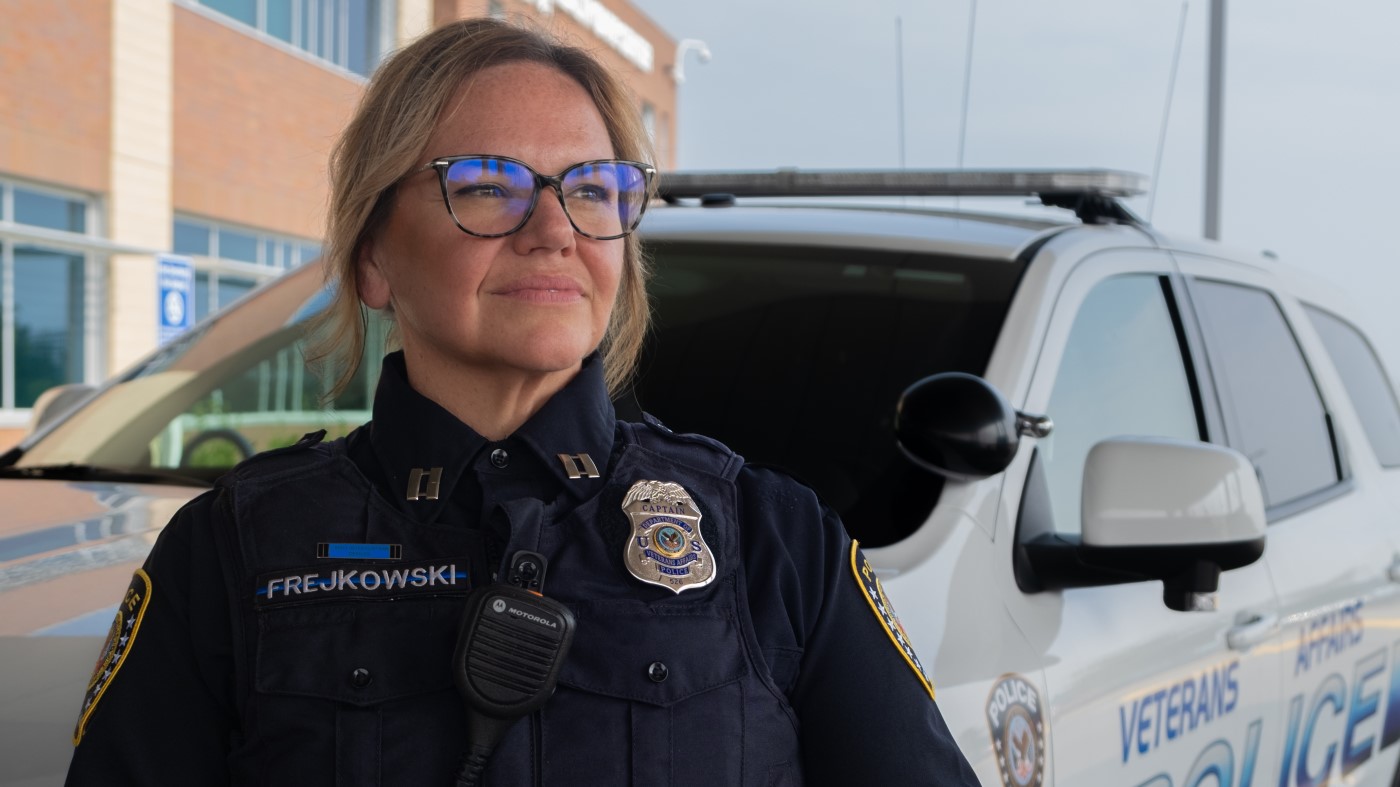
(1140, 694)
(1328, 551)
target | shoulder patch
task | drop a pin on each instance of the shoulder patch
(121, 638)
(884, 611)
(1018, 731)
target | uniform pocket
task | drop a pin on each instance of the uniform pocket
(616, 648)
(360, 653)
(649, 696)
(363, 688)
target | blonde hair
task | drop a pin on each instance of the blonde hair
(386, 139)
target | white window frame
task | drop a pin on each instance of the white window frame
(95, 251)
(313, 42)
(261, 271)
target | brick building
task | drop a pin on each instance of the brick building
(132, 129)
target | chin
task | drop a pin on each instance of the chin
(548, 357)
(540, 349)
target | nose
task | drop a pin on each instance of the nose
(548, 227)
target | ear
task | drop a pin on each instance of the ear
(370, 281)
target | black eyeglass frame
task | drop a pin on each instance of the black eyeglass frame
(555, 181)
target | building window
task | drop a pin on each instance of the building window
(49, 321)
(50, 211)
(649, 120)
(49, 300)
(245, 11)
(237, 245)
(230, 261)
(352, 34)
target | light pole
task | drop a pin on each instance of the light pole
(967, 82)
(687, 44)
(1215, 107)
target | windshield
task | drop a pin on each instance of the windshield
(794, 357)
(233, 386)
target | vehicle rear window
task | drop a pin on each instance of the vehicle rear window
(1273, 412)
(795, 358)
(1365, 381)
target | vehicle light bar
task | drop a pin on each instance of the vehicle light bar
(905, 182)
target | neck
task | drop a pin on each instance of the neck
(493, 401)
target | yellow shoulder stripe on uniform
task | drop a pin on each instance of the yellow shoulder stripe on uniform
(120, 639)
(884, 612)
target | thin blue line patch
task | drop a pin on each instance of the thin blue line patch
(347, 551)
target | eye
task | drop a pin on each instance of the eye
(480, 190)
(592, 192)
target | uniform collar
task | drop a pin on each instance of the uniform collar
(573, 433)
(410, 432)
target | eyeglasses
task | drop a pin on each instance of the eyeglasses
(492, 196)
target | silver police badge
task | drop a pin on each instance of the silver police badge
(665, 546)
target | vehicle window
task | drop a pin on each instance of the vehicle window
(236, 384)
(1365, 381)
(1122, 373)
(793, 357)
(1273, 412)
(268, 400)
(796, 357)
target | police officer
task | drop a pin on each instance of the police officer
(296, 625)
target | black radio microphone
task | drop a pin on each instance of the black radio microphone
(512, 644)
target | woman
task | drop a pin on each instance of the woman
(297, 624)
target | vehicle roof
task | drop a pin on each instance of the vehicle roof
(1301, 282)
(864, 226)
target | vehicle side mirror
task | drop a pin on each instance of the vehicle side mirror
(54, 402)
(957, 425)
(1181, 511)
(1158, 508)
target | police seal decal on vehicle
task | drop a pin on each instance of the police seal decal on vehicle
(665, 546)
(1018, 731)
(121, 638)
(884, 611)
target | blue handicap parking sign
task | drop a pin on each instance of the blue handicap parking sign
(175, 306)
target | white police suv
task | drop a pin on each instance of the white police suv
(1135, 498)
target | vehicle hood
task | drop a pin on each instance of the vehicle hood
(68, 548)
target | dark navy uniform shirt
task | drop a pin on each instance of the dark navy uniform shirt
(865, 715)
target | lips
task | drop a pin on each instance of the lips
(542, 289)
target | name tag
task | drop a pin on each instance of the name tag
(434, 577)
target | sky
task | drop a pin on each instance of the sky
(1311, 149)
